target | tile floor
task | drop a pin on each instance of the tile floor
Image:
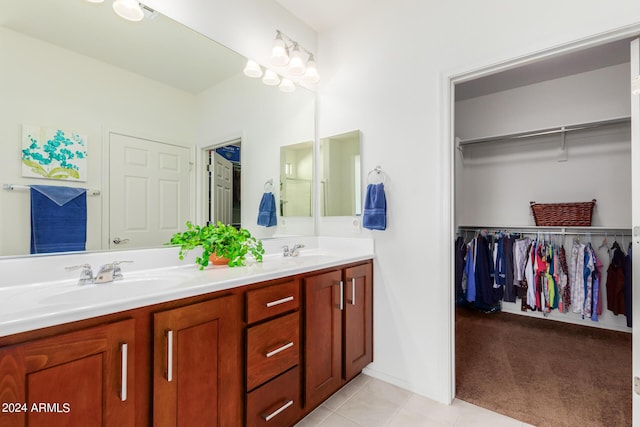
(369, 402)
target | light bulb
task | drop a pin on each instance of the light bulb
(128, 9)
(252, 69)
(311, 73)
(296, 63)
(287, 86)
(270, 78)
(279, 52)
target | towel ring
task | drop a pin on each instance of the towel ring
(378, 173)
(268, 186)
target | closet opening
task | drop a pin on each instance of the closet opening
(542, 323)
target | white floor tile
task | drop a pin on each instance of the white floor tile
(369, 402)
(337, 420)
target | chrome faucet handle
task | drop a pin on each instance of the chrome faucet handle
(105, 274)
(117, 272)
(285, 250)
(296, 248)
(86, 275)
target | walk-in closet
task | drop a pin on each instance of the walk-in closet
(543, 313)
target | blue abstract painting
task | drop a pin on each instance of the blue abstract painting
(53, 154)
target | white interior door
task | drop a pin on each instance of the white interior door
(149, 197)
(635, 223)
(222, 189)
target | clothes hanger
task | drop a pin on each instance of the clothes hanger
(605, 242)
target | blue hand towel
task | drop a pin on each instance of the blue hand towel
(267, 210)
(58, 219)
(375, 208)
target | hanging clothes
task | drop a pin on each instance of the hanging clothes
(616, 282)
(576, 277)
(509, 289)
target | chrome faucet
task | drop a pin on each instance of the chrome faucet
(107, 273)
(86, 275)
(294, 251)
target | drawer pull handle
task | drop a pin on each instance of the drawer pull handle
(169, 355)
(279, 349)
(277, 411)
(123, 379)
(353, 291)
(341, 295)
(280, 301)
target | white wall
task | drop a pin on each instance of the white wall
(44, 85)
(266, 119)
(496, 181)
(383, 73)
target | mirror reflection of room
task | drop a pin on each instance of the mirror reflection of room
(138, 110)
(296, 179)
(340, 175)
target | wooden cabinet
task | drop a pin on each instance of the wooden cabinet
(273, 355)
(338, 329)
(245, 356)
(197, 363)
(80, 378)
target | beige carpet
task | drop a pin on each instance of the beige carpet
(543, 372)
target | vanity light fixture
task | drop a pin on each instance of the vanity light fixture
(311, 73)
(270, 78)
(128, 9)
(280, 51)
(290, 53)
(94, 1)
(287, 86)
(252, 69)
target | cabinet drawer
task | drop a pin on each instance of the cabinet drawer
(272, 348)
(272, 300)
(277, 403)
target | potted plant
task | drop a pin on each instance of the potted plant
(221, 240)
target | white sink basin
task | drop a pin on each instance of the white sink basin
(133, 285)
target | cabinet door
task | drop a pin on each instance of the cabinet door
(323, 336)
(358, 319)
(82, 378)
(197, 365)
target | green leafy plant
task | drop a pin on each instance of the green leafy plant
(222, 240)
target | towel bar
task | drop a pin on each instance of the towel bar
(14, 187)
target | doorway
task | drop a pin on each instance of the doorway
(224, 179)
(149, 191)
(492, 76)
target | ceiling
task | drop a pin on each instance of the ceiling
(94, 30)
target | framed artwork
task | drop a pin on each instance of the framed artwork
(53, 154)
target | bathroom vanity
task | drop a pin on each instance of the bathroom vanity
(258, 345)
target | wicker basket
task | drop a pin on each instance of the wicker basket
(563, 214)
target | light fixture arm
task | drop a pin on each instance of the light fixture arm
(290, 43)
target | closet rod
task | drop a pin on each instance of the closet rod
(547, 131)
(577, 231)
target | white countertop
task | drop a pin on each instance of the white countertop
(38, 292)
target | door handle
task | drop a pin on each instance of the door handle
(353, 291)
(119, 241)
(169, 355)
(341, 295)
(279, 349)
(123, 371)
(268, 417)
(280, 301)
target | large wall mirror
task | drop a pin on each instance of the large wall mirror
(340, 175)
(76, 65)
(296, 180)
